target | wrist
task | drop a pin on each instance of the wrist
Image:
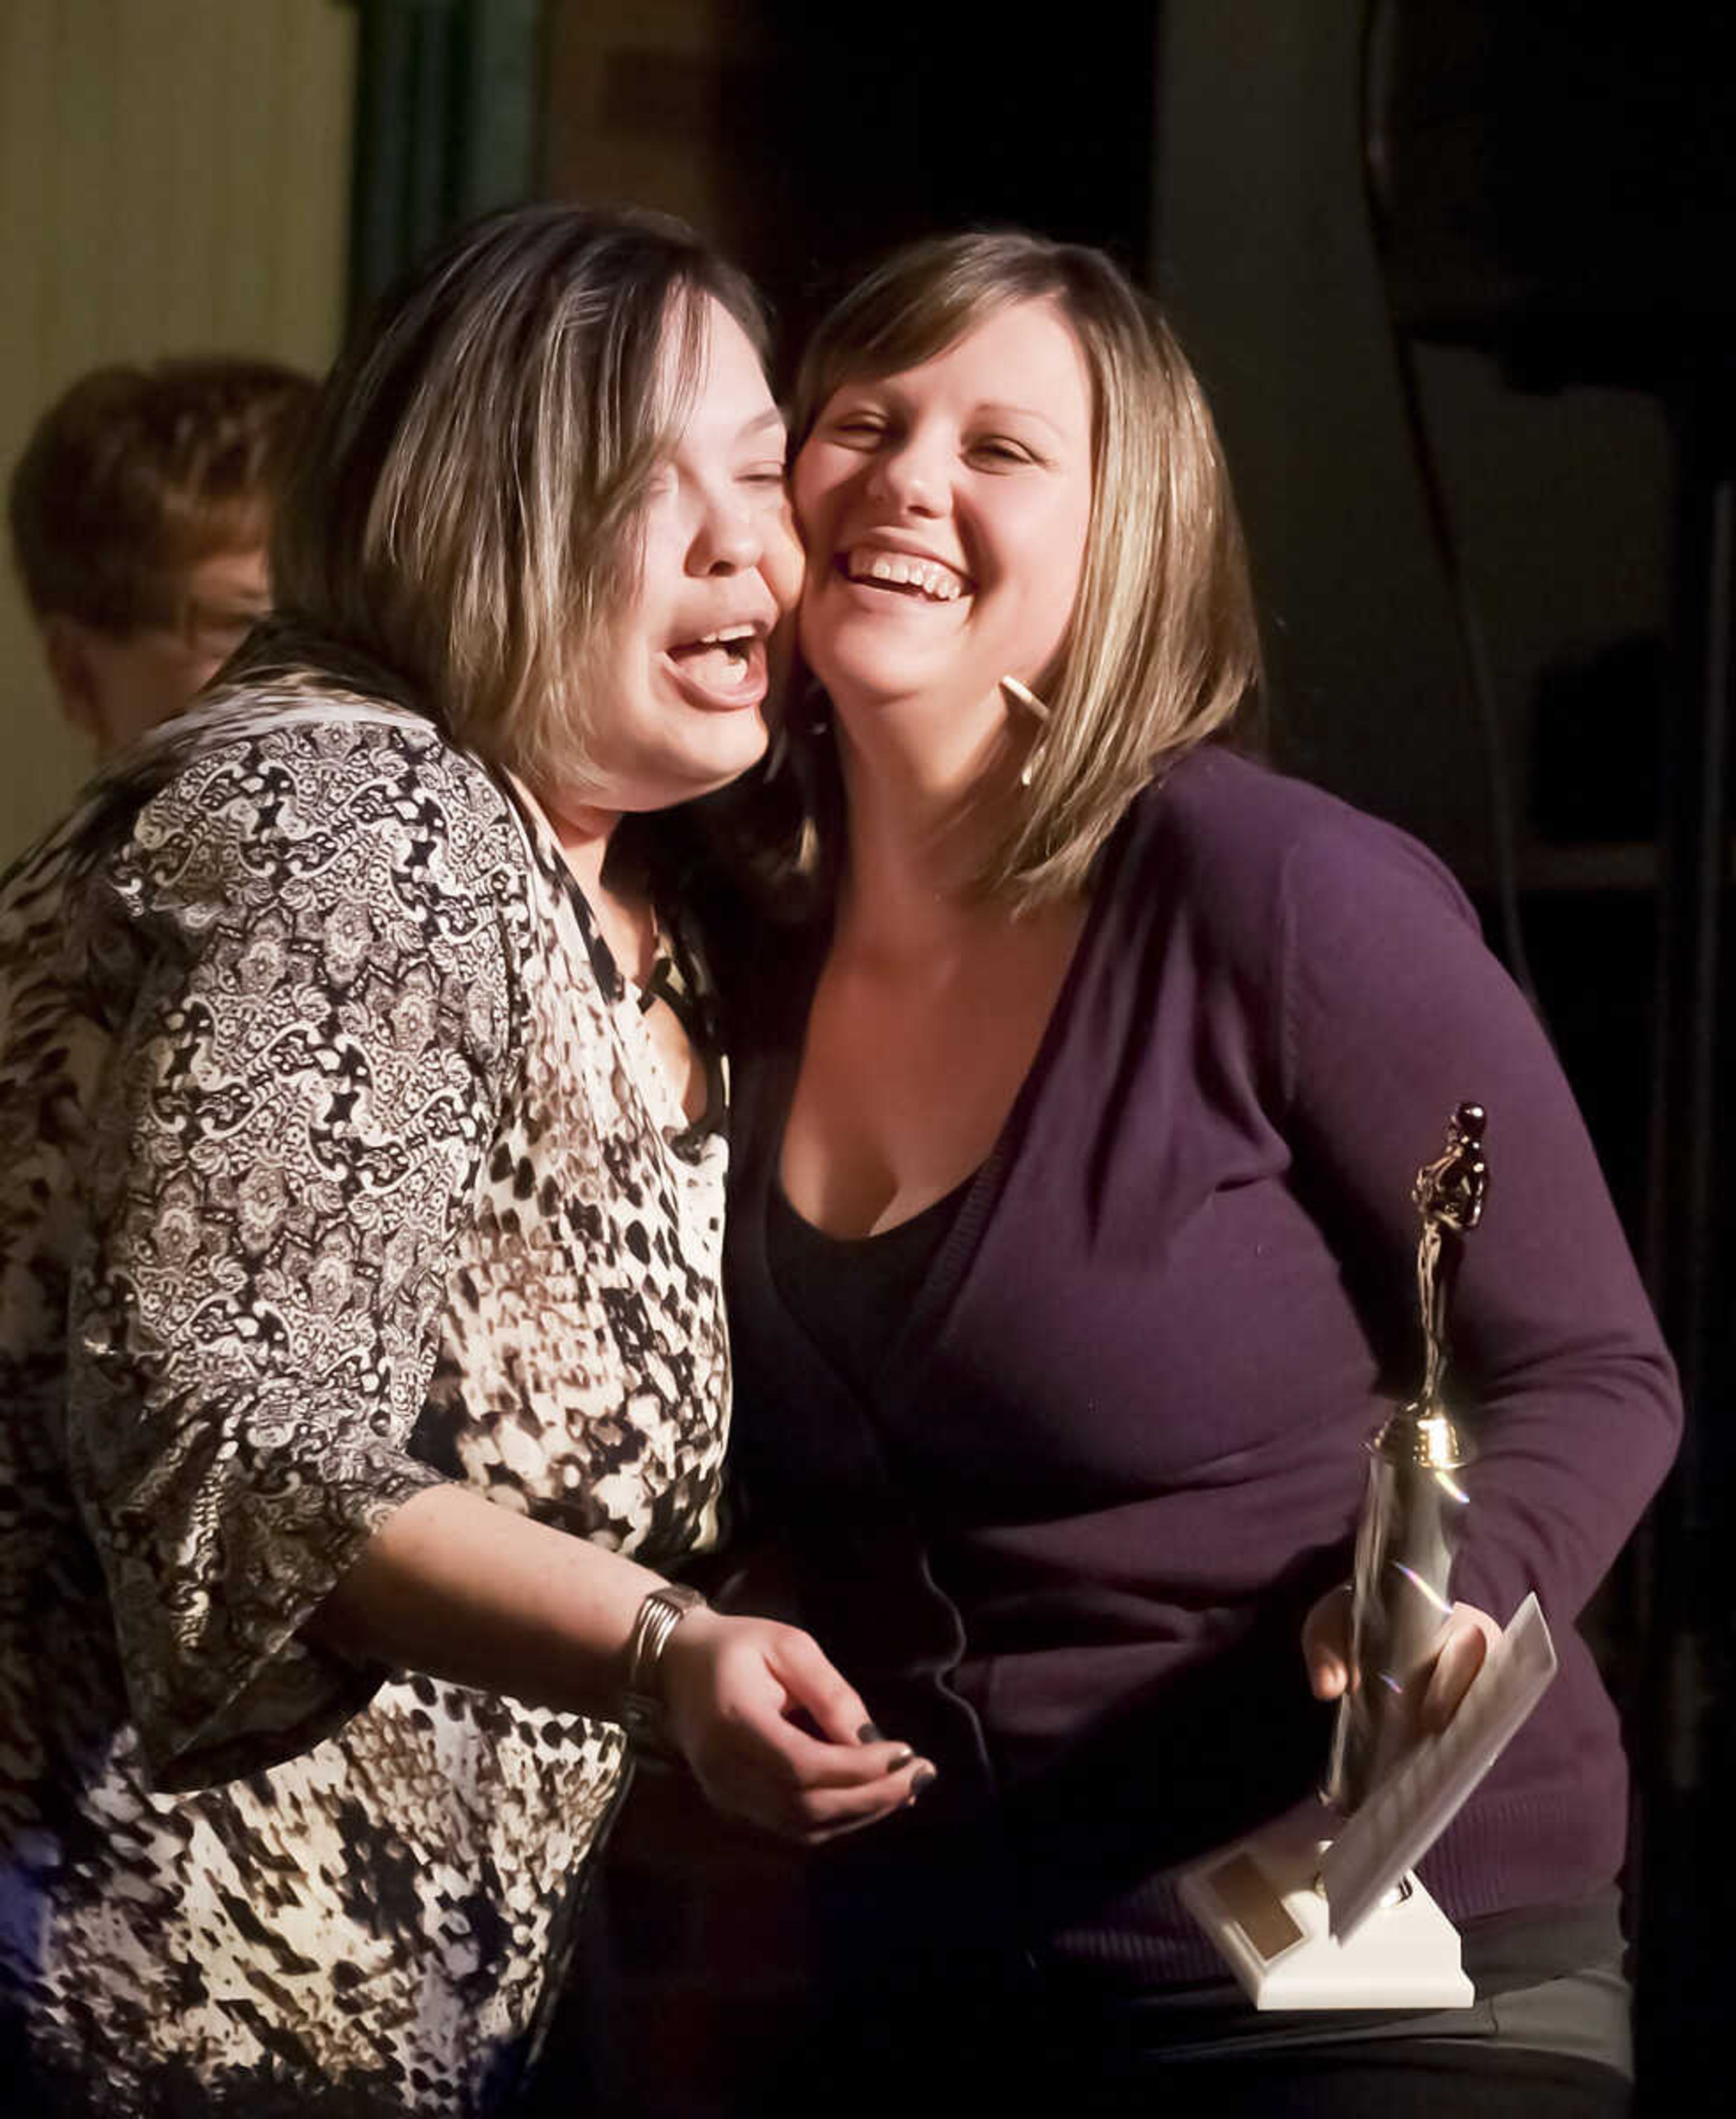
(642, 1709)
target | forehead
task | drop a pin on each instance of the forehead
(1021, 356)
(729, 391)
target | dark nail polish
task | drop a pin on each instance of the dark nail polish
(900, 1762)
(868, 1734)
(920, 1782)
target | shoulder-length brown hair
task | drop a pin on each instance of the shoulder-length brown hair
(1163, 646)
(463, 510)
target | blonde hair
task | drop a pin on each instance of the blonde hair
(464, 512)
(1163, 646)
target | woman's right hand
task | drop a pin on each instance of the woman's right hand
(736, 1694)
(1466, 1636)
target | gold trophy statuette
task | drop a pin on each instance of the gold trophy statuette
(1322, 1908)
(1415, 1504)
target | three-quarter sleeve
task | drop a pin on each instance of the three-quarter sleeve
(1393, 1012)
(320, 1035)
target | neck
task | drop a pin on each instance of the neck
(621, 909)
(922, 816)
(582, 831)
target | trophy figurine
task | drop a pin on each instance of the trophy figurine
(1414, 1503)
(1319, 1910)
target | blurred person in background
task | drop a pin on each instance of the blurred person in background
(140, 511)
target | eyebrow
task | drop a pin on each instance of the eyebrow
(773, 418)
(998, 411)
(991, 408)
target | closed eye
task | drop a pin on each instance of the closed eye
(1000, 450)
(859, 430)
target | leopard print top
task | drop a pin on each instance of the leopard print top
(335, 1160)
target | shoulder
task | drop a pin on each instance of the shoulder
(270, 791)
(1254, 851)
(288, 763)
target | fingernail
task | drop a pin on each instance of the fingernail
(900, 1762)
(868, 1734)
(922, 1781)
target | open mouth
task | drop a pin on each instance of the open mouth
(902, 574)
(724, 668)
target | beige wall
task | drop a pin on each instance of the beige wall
(173, 178)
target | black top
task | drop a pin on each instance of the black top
(854, 1294)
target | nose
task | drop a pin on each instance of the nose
(908, 474)
(730, 538)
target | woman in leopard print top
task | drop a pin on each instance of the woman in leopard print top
(361, 1350)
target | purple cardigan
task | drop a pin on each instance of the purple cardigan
(1116, 1450)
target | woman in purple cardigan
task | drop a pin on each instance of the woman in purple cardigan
(1071, 1255)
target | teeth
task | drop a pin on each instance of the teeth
(903, 571)
(726, 634)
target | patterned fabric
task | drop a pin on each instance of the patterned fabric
(335, 1160)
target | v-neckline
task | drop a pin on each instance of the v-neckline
(621, 996)
(922, 1328)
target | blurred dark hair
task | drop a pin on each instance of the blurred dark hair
(138, 473)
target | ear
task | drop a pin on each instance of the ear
(67, 647)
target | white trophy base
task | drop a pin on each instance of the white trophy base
(1311, 1918)
(1261, 1904)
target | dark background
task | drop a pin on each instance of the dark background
(1457, 277)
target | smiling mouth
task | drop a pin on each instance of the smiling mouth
(725, 668)
(902, 574)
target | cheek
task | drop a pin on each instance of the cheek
(655, 576)
(814, 487)
(782, 566)
(1054, 562)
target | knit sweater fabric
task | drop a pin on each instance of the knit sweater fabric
(1066, 1544)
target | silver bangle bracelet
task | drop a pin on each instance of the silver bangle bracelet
(642, 1701)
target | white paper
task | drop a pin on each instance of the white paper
(1404, 1817)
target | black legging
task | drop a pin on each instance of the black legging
(1391, 2080)
(948, 2067)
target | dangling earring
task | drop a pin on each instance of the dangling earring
(1024, 696)
(814, 770)
(809, 712)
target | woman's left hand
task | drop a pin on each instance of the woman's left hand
(1466, 1636)
(738, 1692)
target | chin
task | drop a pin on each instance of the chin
(881, 684)
(703, 768)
